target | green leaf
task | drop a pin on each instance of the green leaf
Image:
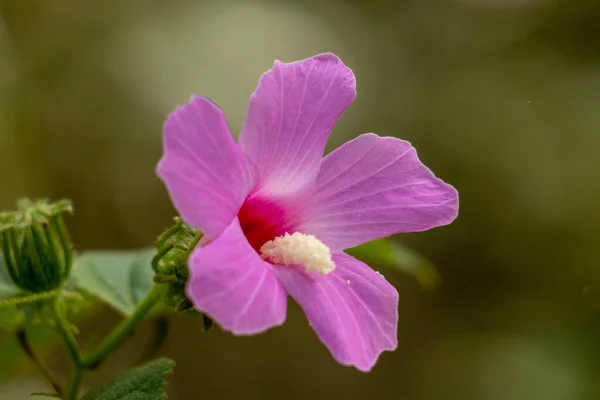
(119, 278)
(146, 382)
(41, 336)
(390, 254)
(17, 307)
(10, 317)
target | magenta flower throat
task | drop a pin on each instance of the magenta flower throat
(278, 214)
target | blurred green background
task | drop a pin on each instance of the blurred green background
(500, 97)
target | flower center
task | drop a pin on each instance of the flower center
(299, 249)
(266, 223)
(261, 221)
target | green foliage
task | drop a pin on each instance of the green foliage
(390, 254)
(14, 359)
(119, 278)
(13, 302)
(122, 279)
(146, 382)
(15, 305)
(10, 317)
(41, 336)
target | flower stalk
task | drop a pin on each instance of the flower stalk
(82, 363)
(173, 248)
(110, 343)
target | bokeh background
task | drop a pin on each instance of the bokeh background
(500, 97)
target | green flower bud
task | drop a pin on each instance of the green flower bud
(170, 264)
(36, 246)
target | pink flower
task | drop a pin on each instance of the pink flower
(279, 215)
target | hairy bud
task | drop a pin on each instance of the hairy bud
(36, 246)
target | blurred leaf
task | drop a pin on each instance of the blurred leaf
(146, 382)
(10, 317)
(127, 278)
(390, 254)
(17, 307)
(10, 296)
(7, 288)
(41, 337)
(120, 278)
(78, 306)
(13, 316)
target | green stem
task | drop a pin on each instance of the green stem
(114, 339)
(72, 391)
(26, 347)
(65, 332)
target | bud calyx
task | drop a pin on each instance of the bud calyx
(36, 246)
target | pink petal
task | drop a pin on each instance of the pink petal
(234, 286)
(206, 173)
(290, 116)
(372, 187)
(353, 310)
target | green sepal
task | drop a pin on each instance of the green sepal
(173, 249)
(36, 246)
(207, 322)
